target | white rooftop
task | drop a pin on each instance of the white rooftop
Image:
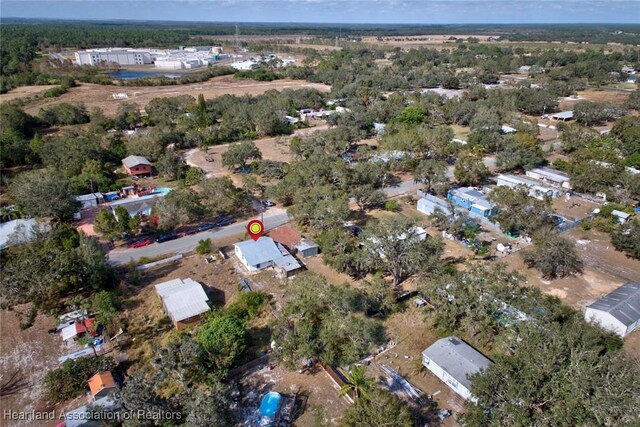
(132, 161)
(183, 299)
(260, 251)
(563, 115)
(457, 358)
(17, 231)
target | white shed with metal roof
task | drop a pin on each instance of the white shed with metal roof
(183, 300)
(618, 311)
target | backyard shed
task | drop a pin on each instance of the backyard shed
(307, 248)
(101, 384)
(184, 301)
(618, 311)
(453, 361)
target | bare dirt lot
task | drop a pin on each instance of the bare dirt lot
(93, 95)
(272, 148)
(616, 97)
(25, 358)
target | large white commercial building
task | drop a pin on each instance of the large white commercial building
(178, 59)
(113, 55)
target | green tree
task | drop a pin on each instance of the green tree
(219, 196)
(238, 154)
(105, 305)
(223, 339)
(180, 207)
(412, 115)
(627, 239)
(392, 245)
(204, 247)
(432, 173)
(105, 223)
(517, 211)
(470, 169)
(44, 193)
(523, 153)
(378, 409)
(367, 197)
(357, 382)
(193, 176)
(554, 255)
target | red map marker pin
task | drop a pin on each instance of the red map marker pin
(255, 228)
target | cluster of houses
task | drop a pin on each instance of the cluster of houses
(454, 361)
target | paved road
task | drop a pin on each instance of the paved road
(272, 218)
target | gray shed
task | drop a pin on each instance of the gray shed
(307, 248)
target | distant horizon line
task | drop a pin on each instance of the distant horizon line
(313, 23)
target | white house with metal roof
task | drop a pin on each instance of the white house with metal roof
(550, 176)
(536, 189)
(264, 253)
(454, 361)
(618, 311)
(185, 301)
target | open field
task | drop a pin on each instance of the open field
(272, 148)
(101, 96)
(593, 95)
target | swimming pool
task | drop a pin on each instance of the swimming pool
(270, 404)
(162, 190)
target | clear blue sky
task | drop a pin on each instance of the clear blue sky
(338, 11)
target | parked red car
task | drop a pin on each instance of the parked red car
(140, 243)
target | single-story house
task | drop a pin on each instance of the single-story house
(618, 311)
(428, 205)
(473, 200)
(101, 384)
(77, 329)
(137, 165)
(184, 301)
(453, 361)
(291, 120)
(506, 129)
(90, 200)
(19, 231)
(622, 217)
(80, 416)
(289, 236)
(141, 206)
(264, 253)
(563, 116)
(550, 176)
(536, 190)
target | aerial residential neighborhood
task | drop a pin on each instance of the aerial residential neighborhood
(355, 214)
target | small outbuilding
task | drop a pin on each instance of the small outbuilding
(454, 361)
(618, 311)
(101, 384)
(137, 165)
(306, 248)
(622, 217)
(90, 200)
(563, 116)
(184, 301)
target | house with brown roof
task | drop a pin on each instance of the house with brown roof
(289, 236)
(101, 384)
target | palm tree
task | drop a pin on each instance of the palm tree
(357, 382)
